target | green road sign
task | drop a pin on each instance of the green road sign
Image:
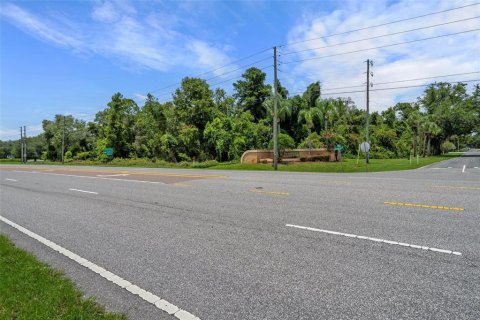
(338, 147)
(108, 151)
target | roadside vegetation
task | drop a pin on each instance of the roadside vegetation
(30, 289)
(346, 165)
(200, 124)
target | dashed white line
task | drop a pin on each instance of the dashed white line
(463, 170)
(149, 297)
(84, 191)
(8, 179)
(113, 175)
(376, 240)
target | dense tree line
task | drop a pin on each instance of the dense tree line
(202, 124)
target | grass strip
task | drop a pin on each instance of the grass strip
(348, 165)
(30, 289)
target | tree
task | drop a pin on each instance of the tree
(307, 117)
(117, 127)
(252, 92)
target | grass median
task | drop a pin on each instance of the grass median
(30, 289)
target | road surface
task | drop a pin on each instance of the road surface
(258, 245)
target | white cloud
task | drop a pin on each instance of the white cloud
(41, 28)
(118, 31)
(448, 55)
(105, 13)
(14, 134)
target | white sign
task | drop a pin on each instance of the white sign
(365, 146)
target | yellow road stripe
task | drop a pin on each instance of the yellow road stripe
(166, 174)
(417, 205)
(457, 187)
(178, 184)
(270, 192)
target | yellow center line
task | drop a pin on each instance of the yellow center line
(270, 192)
(178, 184)
(417, 205)
(165, 174)
(456, 187)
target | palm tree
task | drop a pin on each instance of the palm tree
(414, 121)
(307, 117)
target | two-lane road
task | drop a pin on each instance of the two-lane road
(257, 245)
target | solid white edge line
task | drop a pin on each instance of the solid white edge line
(85, 191)
(376, 240)
(122, 283)
(8, 179)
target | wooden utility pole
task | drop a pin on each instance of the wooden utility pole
(63, 140)
(25, 143)
(21, 144)
(368, 110)
(275, 122)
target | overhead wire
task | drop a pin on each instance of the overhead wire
(216, 69)
(381, 25)
(384, 46)
(379, 36)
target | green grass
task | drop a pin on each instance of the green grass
(348, 165)
(30, 289)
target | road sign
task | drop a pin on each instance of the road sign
(338, 147)
(108, 151)
(365, 146)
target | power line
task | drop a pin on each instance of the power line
(380, 36)
(442, 76)
(239, 68)
(263, 68)
(380, 25)
(381, 89)
(216, 69)
(379, 47)
(395, 88)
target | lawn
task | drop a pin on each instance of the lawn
(348, 165)
(30, 289)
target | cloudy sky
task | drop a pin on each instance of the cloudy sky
(69, 57)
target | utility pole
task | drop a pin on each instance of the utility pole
(63, 140)
(275, 123)
(368, 110)
(21, 144)
(25, 143)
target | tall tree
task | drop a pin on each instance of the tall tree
(251, 92)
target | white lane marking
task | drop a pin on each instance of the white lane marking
(375, 239)
(475, 167)
(449, 167)
(113, 175)
(463, 170)
(8, 179)
(89, 177)
(85, 191)
(143, 294)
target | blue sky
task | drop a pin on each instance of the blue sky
(70, 57)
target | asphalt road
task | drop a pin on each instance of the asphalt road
(261, 245)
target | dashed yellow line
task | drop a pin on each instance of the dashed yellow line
(269, 192)
(164, 174)
(179, 184)
(423, 206)
(457, 187)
